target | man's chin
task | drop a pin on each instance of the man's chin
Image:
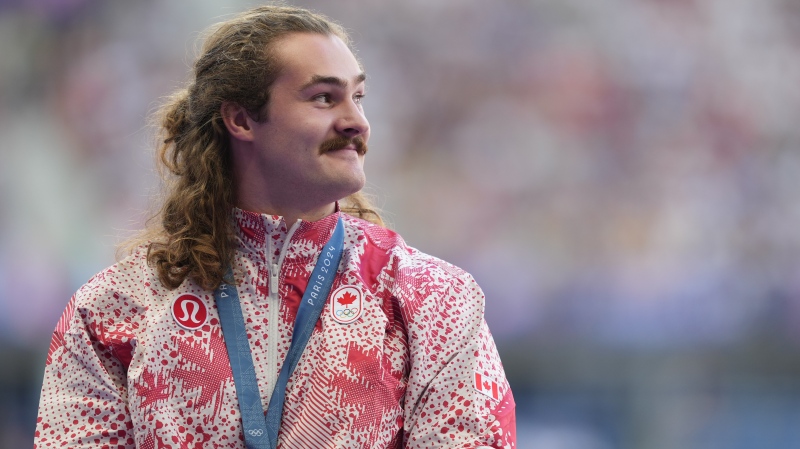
(351, 187)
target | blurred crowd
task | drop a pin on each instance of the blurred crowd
(624, 170)
(621, 174)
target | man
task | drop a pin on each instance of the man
(265, 151)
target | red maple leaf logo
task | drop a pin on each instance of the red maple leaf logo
(346, 299)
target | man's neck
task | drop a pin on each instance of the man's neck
(290, 214)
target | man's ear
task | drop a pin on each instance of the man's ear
(237, 120)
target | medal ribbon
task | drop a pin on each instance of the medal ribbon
(261, 432)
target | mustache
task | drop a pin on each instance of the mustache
(339, 142)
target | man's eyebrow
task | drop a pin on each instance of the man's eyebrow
(332, 80)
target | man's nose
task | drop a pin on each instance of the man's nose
(352, 122)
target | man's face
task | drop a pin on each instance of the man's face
(311, 145)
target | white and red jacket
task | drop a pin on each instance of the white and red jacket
(417, 369)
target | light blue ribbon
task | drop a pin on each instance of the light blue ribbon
(261, 432)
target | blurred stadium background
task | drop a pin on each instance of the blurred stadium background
(621, 177)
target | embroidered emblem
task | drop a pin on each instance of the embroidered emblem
(189, 311)
(487, 386)
(346, 304)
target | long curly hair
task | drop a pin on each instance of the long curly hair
(192, 233)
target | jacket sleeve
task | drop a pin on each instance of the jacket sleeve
(457, 394)
(84, 396)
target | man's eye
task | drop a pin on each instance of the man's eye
(322, 98)
(358, 98)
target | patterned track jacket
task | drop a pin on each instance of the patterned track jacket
(417, 368)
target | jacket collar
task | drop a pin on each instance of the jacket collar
(259, 232)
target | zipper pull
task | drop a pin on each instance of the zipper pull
(273, 281)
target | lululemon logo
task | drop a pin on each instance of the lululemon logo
(189, 311)
(346, 304)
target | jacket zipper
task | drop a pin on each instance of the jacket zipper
(274, 306)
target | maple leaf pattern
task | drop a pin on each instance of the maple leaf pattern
(154, 389)
(346, 299)
(370, 393)
(204, 368)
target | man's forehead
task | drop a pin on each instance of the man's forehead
(308, 57)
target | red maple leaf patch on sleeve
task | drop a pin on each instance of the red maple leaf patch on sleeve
(346, 299)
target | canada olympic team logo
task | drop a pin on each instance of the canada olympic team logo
(189, 311)
(346, 304)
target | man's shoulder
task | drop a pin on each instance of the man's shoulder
(124, 278)
(369, 233)
(406, 260)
